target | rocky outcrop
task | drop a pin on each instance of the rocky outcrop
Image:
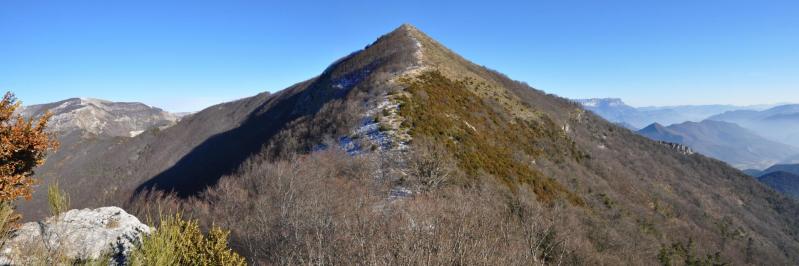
(76, 235)
(684, 150)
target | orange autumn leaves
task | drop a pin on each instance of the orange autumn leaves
(23, 146)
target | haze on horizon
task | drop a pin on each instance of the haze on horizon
(187, 56)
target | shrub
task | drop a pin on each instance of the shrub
(679, 252)
(181, 242)
(58, 199)
(6, 221)
(23, 146)
(430, 166)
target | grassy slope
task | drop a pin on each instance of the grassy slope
(480, 137)
(642, 197)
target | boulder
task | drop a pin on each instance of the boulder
(76, 235)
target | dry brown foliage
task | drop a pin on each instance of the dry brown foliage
(328, 208)
(23, 145)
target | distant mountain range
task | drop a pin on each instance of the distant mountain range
(615, 110)
(756, 136)
(101, 117)
(725, 141)
(780, 123)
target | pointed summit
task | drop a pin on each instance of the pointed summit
(406, 26)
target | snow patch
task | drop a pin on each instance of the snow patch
(350, 80)
(470, 126)
(136, 133)
(399, 192)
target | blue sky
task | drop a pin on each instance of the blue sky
(186, 55)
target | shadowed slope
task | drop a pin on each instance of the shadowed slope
(784, 182)
(322, 108)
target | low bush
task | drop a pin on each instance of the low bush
(181, 242)
(57, 199)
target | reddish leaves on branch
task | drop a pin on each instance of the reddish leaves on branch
(23, 146)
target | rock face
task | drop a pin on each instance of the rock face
(77, 235)
(101, 117)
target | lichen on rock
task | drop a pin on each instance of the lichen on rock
(76, 235)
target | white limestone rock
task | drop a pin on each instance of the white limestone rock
(78, 235)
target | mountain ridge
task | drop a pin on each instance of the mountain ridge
(624, 192)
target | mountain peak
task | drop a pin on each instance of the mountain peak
(654, 126)
(407, 27)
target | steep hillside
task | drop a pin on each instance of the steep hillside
(505, 157)
(98, 168)
(204, 146)
(728, 142)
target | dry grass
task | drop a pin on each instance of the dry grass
(58, 199)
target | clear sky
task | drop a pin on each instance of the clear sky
(184, 56)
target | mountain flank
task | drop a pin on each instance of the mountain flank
(404, 150)
(86, 128)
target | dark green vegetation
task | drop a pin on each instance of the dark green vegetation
(679, 253)
(180, 242)
(481, 139)
(533, 176)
